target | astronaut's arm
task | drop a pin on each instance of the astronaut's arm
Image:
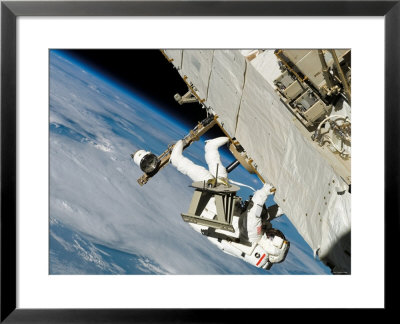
(259, 198)
(253, 227)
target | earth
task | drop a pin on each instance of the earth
(100, 220)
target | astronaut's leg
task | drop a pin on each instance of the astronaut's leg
(187, 167)
(213, 158)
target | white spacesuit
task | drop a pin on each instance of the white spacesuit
(254, 243)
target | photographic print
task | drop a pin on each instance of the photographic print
(200, 161)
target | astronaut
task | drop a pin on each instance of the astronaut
(255, 240)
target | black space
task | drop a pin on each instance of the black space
(149, 74)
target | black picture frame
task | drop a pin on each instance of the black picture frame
(10, 10)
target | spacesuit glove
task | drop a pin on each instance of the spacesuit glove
(261, 195)
(267, 188)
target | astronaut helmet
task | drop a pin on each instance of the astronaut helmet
(272, 232)
(275, 244)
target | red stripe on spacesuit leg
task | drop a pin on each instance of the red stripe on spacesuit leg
(263, 256)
